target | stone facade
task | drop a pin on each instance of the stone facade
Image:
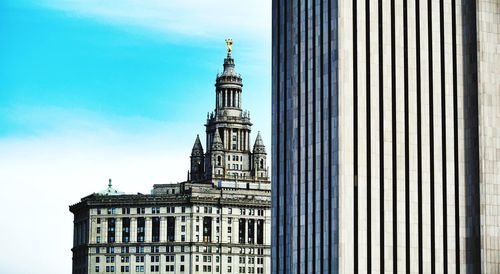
(217, 221)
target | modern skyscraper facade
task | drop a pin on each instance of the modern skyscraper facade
(217, 221)
(386, 143)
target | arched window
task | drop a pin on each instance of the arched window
(219, 159)
(261, 163)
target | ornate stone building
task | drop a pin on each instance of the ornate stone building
(217, 221)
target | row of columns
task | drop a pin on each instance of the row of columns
(242, 138)
(132, 230)
(223, 225)
(228, 98)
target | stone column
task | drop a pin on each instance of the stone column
(92, 228)
(226, 96)
(238, 139)
(217, 99)
(267, 232)
(247, 140)
(118, 230)
(147, 232)
(163, 229)
(104, 230)
(133, 230)
(255, 231)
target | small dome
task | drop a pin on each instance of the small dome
(110, 191)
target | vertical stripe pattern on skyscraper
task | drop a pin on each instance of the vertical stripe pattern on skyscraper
(367, 134)
(305, 111)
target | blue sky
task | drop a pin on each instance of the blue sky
(95, 89)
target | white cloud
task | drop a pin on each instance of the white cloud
(43, 174)
(248, 20)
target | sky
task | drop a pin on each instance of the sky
(92, 89)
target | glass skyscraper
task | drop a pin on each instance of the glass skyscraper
(386, 140)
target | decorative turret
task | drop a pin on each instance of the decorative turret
(259, 158)
(217, 154)
(217, 144)
(197, 160)
(258, 147)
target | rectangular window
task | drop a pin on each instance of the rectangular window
(207, 229)
(110, 259)
(125, 230)
(260, 232)
(141, 224)
(242, 231)
(251, 231)
(111, 230)
(170, 229)
(155, 230)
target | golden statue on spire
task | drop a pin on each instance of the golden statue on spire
(229, 44)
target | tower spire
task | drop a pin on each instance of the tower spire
(197, 147)
(217, 144)
(197, 160)
(259, 146)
